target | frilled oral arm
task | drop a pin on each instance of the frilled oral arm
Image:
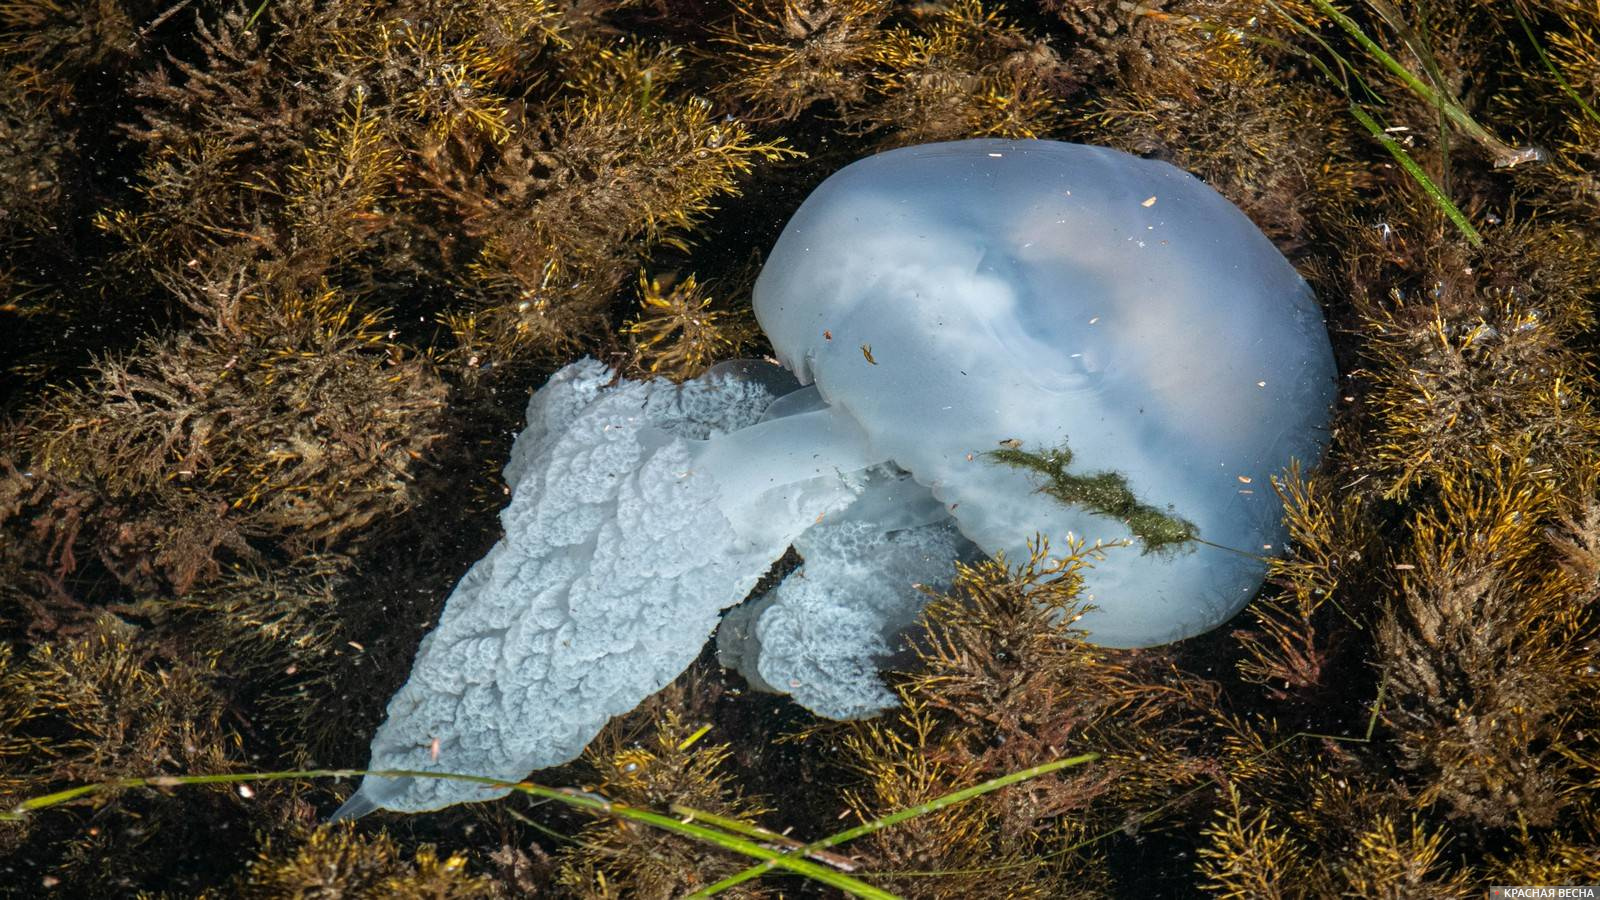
(639, 512)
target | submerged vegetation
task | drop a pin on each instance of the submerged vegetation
(1104, 493)
(276, 278)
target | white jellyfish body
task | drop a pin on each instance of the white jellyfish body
(941, 302)
(952, 297)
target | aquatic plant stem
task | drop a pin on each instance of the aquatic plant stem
(592, 803)
(1434, 192)
(1566, 86)
(250, 22)
(895, 818)
(687, 813)
(1415, 171)
(1503, 155)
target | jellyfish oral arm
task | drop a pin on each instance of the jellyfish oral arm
(784, 468)
(639, 512)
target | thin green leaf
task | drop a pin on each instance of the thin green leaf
(1538, 48)
(248, 23)
(1503, 155)
(1427, 184)
(773, 858)
(912, 812)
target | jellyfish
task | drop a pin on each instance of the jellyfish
(979, 343)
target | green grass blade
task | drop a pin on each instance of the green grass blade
(599, 805)
(1566, 87)
(1504, 155)
(256, 15)
(1427, 184)
(895, 818)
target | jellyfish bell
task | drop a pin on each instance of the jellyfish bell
(1055, 296)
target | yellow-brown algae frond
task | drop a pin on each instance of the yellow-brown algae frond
(581, 193)
(280, 628)
(537, 328)
(35, 164)
(451, 91)
(106, 708)
(1561, 106)
(232, 93)
(102, 706)
(1330, 540)
(1314, 814)
(504, 35)
(448, 68)
(333, 196)
(679, 333)
(643, 71)
(966, 72)
(786, 56)
(1000, 655)
(20, 709)
(1561, 856)
(1407, 861)
(1472, 353)
(188, 203)
(675, 762)
(1252, 854)
(63, 42)
(338, 861)
(957, 71)
(1328, 789)
(903, 763)
(1004, 681)
(206, 430)
(1488, 650)
(673, 767)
